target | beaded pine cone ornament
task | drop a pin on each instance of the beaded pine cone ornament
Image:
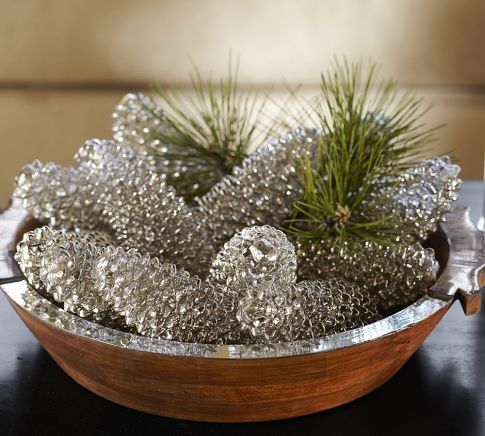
(182, 243)
(254, 273)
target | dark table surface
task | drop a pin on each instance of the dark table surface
(440, 391)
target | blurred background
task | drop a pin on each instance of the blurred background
(65, 64)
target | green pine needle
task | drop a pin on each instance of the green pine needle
(210, 129)
(370, 132)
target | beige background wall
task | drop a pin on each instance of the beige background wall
(64, 64)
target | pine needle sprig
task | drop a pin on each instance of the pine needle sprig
(208, 130)
(369, 133)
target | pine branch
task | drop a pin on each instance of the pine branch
(209, 130)
(369, 132)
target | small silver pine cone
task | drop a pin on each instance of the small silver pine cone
(66, 275)
(30, 251)
(57, 195)
(269, 311)
(56, 263)
(162, 301)
(255, 256)
(394, 275)
(309, 309)
(140, 123)
(144, 213)
(136, 121)
(421, 195)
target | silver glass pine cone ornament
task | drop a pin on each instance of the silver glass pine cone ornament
(136, 121)
(258, 267)
(139, 122)
(304, 310)
(424, 193)
(145, 213)
(57, 264)
(260, 191)
(30, 251)
(65, 273)
(57, 195)
(255, 256)
(395, 275)
(156, 298)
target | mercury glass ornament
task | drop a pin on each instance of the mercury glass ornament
(255, 256)
(66, 275)
(57, 195)
(308, 309)
(39, 256)
(30, 251)
(140, 123)
(145, 213)
(396, 275)
(72, 198)
(136, 120)
(420, 196)
(163, 301)
(258, 267)
(260, 191)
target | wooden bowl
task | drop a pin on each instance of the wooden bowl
(236, 383)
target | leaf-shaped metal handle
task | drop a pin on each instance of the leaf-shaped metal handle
(462, 277)
(14, 221)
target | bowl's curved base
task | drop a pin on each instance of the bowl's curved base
(229, 390)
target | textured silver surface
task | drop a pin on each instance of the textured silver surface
(27, 298)
(394, 275)
(259, 192)
(163, 301)
(34, 244)
(61, 196)
(250, 296)
(136, 120)
(466, 260)
(141, 123)
(255, 256)
(257, 266)
(421, 196)
(308, 309)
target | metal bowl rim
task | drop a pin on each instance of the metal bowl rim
(22, 294)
